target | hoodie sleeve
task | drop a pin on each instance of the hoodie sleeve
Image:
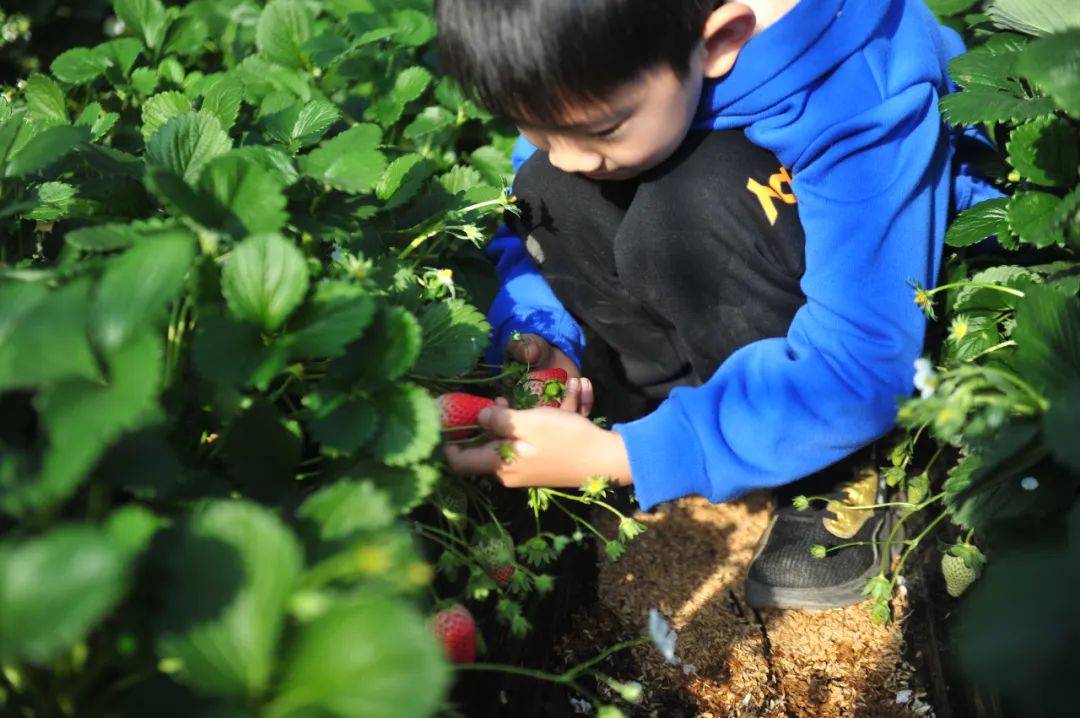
(874, 196)
(525, 301)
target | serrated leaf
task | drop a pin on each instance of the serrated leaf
(232, 354)
(1047, 336)
(1053, 63)
(454, 336)
(991, 66)
(121, 54)
(976, 299)
(494, 166)
(283, 28)
(55, 588)
(409, 425)
(161, 108)
(1045, 152)
(341, 422)
(460, 179)
(186, 143)
(985, 219)
(251, 198)
(337, 315)
(1031, 217)
(45, 101)
(271, 159)
(345, 507)
(146, 18)
(187, 35)
(83, 418)
(299, 124)
(222, 100)
(413, 28)
(264, 280)
(431, 120)
(945, 8)
(349, 162)
(1034, 17)
(389, 348)
(138, 285)
(46, 148)
(978, 105)
(230, 574)
(402, 180)
(79, 65)
(389, 667)
(43, 335)
(145, 80)
(53, 200)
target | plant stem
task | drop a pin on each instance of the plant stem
(977, 285)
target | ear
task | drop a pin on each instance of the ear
(727, 30)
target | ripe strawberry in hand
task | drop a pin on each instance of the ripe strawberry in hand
(456, 631)
(543, 387)
(459, 409)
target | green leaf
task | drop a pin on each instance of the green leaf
(187, 35)
(80, 65)
(494, 166)
(1034, 17)
(985, 219)
(1047, 335)
(413, 28)
(1032, 218)
(402, 180)
(991, 66)
(43, 335)
(389, 348)
(161, 108)
(45, 101)
(230, 575)
(121, 54)
(945, 8)
(1061, 425)
(980, 299)
(390, 665)
(349, 162)
(46, 148)
(454, 336)
(345, 507)
(145, 80)
(82, 418)
(405, 486)
(186, 143)
(264, 280)
(340, 422)
(283, 27)
(146, 18)
(1054, 64)
(410, 427)
(271, 159)
(251, 197)
(53, 200)
(138, 285)
(99, 122)
(55, 589)
(131, 528)
(431, 120)
(978, 105)
(232, 354)
(1045, 151)
(337, 315)
(223, 99)
(300, 124)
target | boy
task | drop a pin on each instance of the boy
(733, 197)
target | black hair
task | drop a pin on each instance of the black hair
(530, 60)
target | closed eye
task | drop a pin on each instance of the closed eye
(609, 131)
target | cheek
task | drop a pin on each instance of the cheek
(654, 139)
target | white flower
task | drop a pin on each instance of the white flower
(926, 380)
(1029, 483)
(662, 636)
(580, 706)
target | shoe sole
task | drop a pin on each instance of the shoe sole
(842, 595)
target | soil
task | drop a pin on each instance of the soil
(737, 661)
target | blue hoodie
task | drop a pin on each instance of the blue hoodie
(845, 93)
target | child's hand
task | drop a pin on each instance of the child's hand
(533, 349)
(549, 447)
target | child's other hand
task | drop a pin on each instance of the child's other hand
(550, 448)
(538, 352)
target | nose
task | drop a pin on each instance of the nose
(569, 157)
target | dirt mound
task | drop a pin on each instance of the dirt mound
(738, 662)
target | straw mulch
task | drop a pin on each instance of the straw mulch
(737, 662)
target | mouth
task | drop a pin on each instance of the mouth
(617, 174)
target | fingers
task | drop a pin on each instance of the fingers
(532, 349)
(473, 460)
(579, 396)
(587, 397)
(503, 402)
(498, 421)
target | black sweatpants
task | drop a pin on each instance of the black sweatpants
(671, 272)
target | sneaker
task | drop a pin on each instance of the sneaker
(783, 573)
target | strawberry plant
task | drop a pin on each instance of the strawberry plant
(240, 257)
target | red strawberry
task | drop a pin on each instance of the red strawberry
(543, 387)
(502, 575)
(456, 630)
(460, 409)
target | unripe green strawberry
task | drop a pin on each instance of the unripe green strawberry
(958, 577)
(496, 557)
(456, 630)
(459, 409)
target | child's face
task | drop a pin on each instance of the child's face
(639, 126)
